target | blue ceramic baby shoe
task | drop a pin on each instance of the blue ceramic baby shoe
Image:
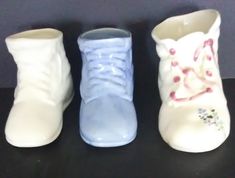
(107, 113)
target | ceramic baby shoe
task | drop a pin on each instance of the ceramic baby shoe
(107, 113)
(194, 116)
(44, 87)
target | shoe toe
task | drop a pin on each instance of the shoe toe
(32, 124)
(191, 130)
(108, 122)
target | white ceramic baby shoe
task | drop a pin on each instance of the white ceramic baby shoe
(44, 87)
(194, 116)
(107, 113)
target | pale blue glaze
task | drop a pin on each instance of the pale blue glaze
(107, 113)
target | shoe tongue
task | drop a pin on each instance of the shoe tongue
(119, 44)
(39, 46)
(31, 50)
(31, 39)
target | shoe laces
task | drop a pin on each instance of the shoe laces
(106, 70)
(203, 76)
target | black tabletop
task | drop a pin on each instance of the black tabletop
(148, 156)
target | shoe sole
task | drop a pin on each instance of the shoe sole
(47, 141)
(108, 144)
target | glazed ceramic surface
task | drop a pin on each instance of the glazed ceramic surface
(194, 116)
(107, 113)
(44, 87)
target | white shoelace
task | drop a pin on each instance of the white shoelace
(106, 70)
(205, 80)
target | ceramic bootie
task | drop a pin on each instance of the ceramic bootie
(44, 87)
(107, 113)
(194, 116)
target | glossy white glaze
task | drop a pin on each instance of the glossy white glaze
(44, 87)
(194, 116)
